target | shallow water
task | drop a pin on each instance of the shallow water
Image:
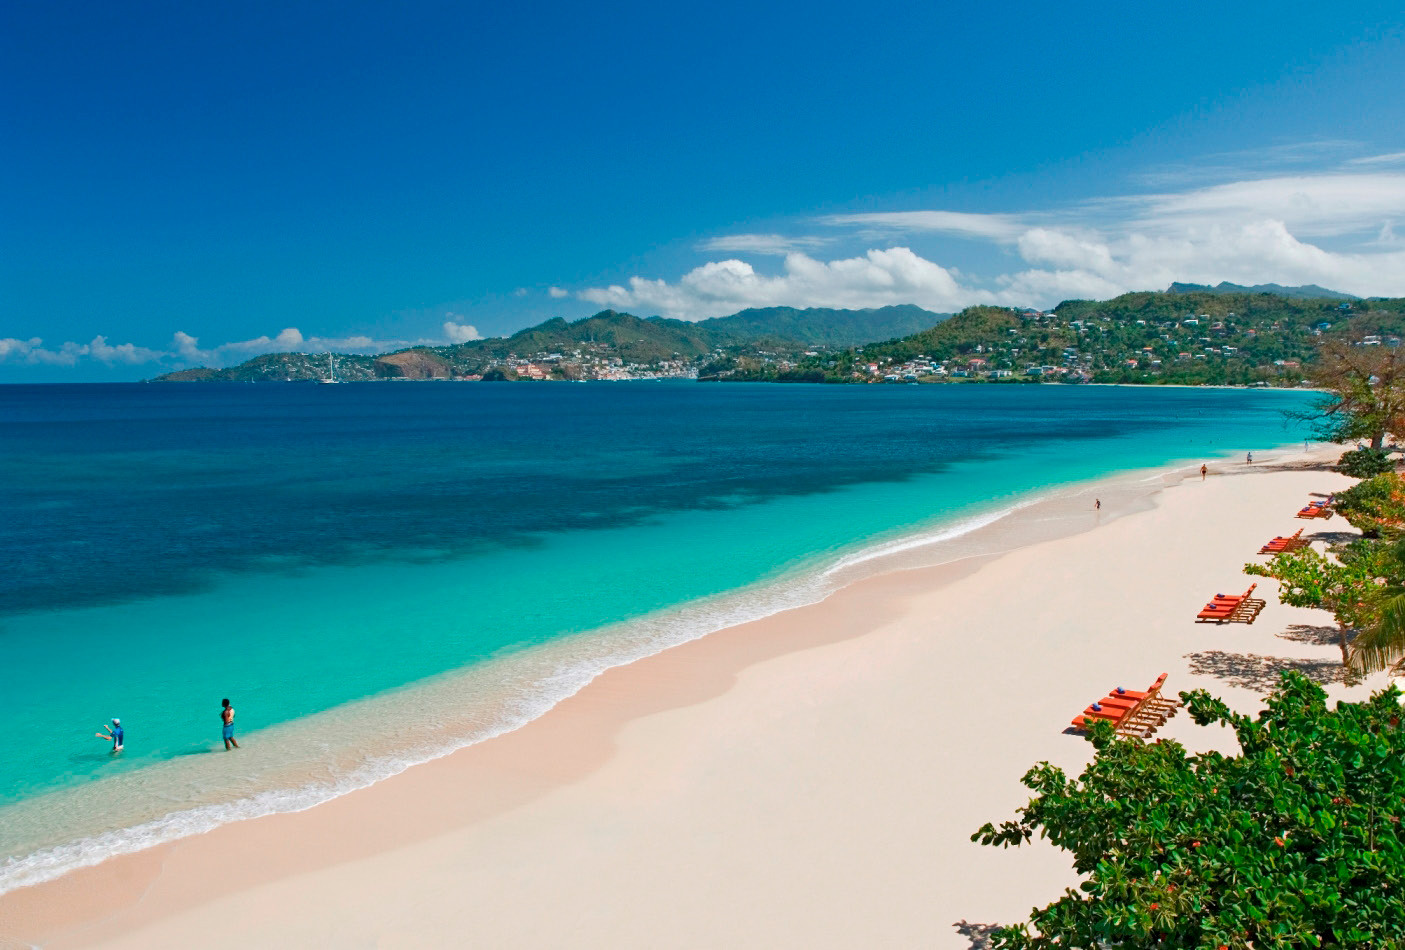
(377, 573)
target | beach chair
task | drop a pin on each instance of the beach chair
(1282, 545)
(1131, 712)
(1315, 509)
(1152, 696)
(1234, 608)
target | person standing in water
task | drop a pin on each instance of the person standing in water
(113, 733)
(1249, 457)
(227, 719)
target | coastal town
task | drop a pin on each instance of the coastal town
(1258, 339)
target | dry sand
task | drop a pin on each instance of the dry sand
(807, 780)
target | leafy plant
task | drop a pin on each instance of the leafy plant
(1365, 462)
(1295, 842)
(1349, 584)
(1375, 506)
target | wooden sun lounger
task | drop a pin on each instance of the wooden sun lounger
(1282, 545)
(1131, 712)
(1240, 608)
(1315, 509)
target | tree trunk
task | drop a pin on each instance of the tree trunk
(1348, 674)
(1377, 440)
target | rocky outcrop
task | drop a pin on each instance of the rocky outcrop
(413, 364)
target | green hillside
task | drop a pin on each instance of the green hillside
(1204, 337)
(822, 327)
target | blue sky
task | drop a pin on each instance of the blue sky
(196, 183)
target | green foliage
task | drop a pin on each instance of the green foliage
(1295, 842)
(1375, 506)
(1363, 586)
(1343, 584)
(1365, 462)
(819, 326)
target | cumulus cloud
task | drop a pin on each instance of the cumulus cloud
(556, 293)
(185, 348)
(33, 352)
(1332, 228)
(878, 278)
(460, 332)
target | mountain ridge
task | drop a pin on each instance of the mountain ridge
(608, 335)
(1301, 292)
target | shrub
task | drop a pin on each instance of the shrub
(1374, 506)
(1295, 842)
(1365, 462)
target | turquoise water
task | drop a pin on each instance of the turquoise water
(311, 552)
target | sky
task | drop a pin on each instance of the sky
(191, 184)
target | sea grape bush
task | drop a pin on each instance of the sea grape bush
(1376, 506)
(1365, 462)
(1295, 842)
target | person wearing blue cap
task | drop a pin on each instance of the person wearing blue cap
(114, 733)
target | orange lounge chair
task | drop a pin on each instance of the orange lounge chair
(1131, 712)
(1282, 545)
(1234, 608)
(1315, 509)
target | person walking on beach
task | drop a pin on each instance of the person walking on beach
(1203, 470)
(1249, 457)
(227, 719)
(1097, 504)
(113, 733)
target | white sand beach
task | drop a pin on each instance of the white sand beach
(807, 780)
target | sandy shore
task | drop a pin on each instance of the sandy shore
(807, 780)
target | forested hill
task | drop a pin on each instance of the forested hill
(1191, 338)
(608, 340)
(1305, 292)
(822, 327)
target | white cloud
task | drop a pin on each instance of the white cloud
(1390, 158)
(556, 293)
(878, 278)
(33, 351)
(1331, 228)
(760, 243)
(1323, 205)
(11, 348)
(460, 332)
(1000, 227)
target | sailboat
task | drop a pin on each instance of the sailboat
(331, 371)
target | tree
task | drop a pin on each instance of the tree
(1295, 842)
(1348, 585)
(1365, 388)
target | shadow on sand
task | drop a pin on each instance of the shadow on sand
(1334, 537)
(1260, 673)
(1321, 636)
(978, 934)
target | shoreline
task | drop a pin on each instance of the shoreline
(989, 530)
(567, 746)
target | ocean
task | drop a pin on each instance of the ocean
(377, 574)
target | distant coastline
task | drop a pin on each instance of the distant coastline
(1214, 336)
